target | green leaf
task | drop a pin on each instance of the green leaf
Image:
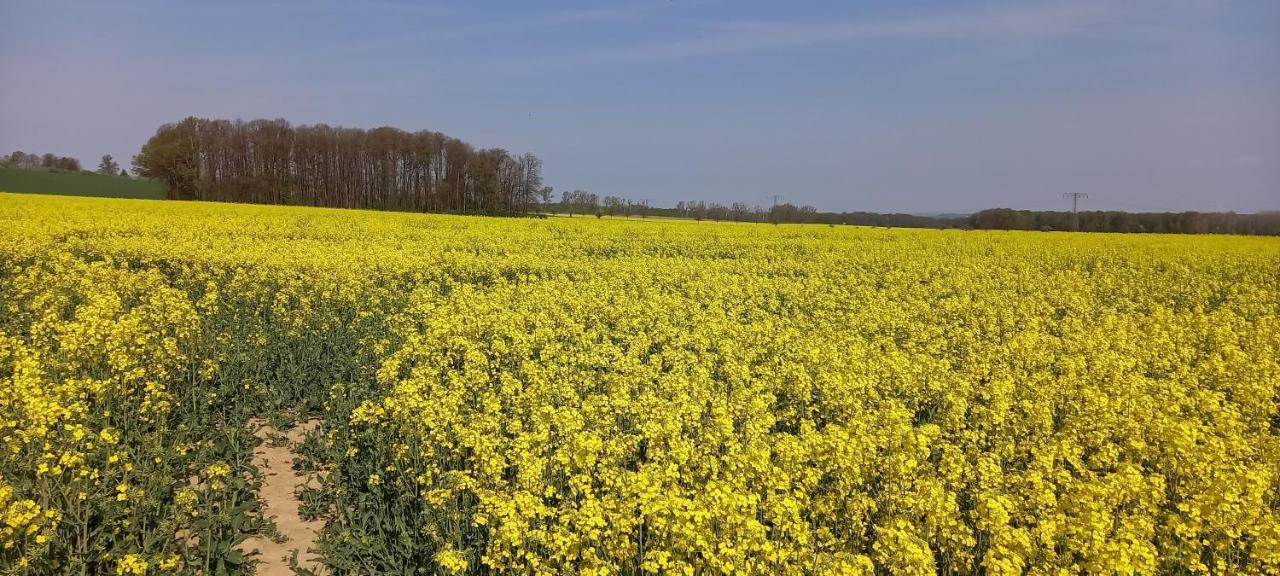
(234, 556)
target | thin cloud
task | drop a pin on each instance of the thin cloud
(511, 26)
(553, 20)
(1247, 161)
(735, 37)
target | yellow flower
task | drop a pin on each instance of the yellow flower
(217, 470)
(168, 562)
(131, 565)
(451, 560)
(603, 396)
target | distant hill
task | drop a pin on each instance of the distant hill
(77, 184)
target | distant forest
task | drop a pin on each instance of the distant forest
(47, 161)
(273, 162)
(1263, 223)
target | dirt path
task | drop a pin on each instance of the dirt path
(277, 495)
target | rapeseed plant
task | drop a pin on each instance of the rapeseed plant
(621, 397)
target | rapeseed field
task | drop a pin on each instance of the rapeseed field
(598, 397)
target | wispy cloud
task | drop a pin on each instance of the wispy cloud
(1248, 160)
(439, 30)
(552, 20)
(734, 37)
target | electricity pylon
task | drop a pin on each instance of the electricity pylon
(1075, 207)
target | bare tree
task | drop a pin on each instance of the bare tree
(269, 161)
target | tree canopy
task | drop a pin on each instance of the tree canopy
(273, 162)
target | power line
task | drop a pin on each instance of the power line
(1075, 207)
(1147, 207)
(1038, 205)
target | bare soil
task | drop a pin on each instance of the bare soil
(275, 459)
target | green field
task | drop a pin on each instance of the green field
(68, 184)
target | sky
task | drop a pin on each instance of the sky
(907, 105)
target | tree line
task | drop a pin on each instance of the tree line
(48, 161)
(788, 213)
(52, 162)
(582, 202)
(1262, 223)
(273, 162)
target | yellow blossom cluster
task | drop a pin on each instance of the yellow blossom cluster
(574, 396)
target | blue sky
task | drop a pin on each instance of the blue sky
(888, 106)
